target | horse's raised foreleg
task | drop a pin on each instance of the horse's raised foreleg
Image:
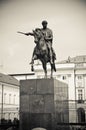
(32, 62)
(32, 67)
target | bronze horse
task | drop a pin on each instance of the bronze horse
(41, 52)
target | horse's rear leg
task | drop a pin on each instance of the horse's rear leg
(45, 69)
(54, 67)
(51, 70)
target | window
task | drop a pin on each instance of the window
(80, 96)
(9, 98)
(79, 77)
(81, 115)
(64, 77)
(14, 100)
(5, 97)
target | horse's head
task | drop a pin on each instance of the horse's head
(37, 35)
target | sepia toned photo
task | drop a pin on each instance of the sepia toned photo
(42, 64)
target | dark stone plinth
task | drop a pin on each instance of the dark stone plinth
(42, 103)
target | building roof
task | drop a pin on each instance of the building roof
(77, 59)
(8, 79)
(22, 74)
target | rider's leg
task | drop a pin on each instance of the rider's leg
(50, 52)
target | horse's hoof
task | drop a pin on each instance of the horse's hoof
(55, 69)
(51, 77)
(32, 69)
(45, 76)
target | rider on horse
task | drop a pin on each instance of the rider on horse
(48, 36)
(43, 50)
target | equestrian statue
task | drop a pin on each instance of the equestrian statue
(43, 38)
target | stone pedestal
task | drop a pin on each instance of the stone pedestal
(41, 102)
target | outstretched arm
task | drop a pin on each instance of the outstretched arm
(31, 34)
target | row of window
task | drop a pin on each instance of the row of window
(64, 77)
(9, 98)
(79, 77)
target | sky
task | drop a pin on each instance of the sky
(66, 18)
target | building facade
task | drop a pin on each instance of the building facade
(9, 97)
(73, 72)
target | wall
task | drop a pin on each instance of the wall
(10, 101)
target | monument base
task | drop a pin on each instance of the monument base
(41, 101)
